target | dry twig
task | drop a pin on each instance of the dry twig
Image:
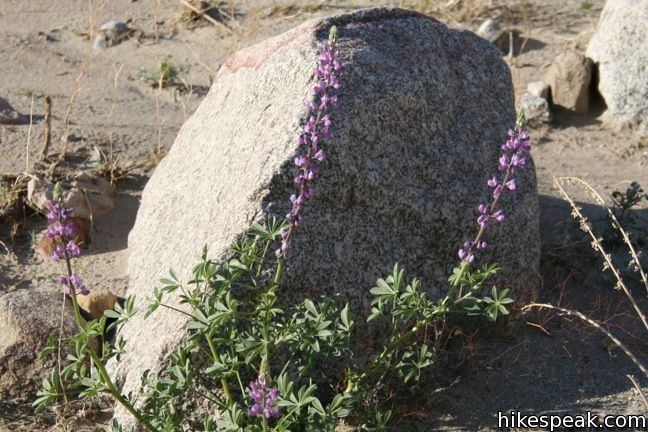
(48, 128)
(596, 242)
(594, 324)
(636, 385)
(204, 15)
(31, 123)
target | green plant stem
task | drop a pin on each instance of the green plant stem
(391, 347)
(280, 263)
(224, 383)
(263, 258)
(264, 367)
(457, 282)
(95, 358)
(398, 341)
(238, 377)
(182, 312)
(465, 265)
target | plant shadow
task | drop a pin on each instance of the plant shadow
(539, 362)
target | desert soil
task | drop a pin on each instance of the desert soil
(539, 363)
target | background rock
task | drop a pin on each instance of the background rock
(620, 49)
(111, 33)
(491, 30)
(95, 303)
(424, 112)
(535, 108)
(569, 78)
(27, 319)
(9, 116)
(539, 89)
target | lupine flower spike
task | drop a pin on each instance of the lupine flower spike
(513, 157)
(264, 399)
(316, 129)
(61, 229)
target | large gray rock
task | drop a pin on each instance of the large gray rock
(620, 48)
(27, 319)
(424, 110)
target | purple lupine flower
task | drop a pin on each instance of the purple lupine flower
(514, 156)
(498, 215)
(73, 249)
(57, 212)
(264, 399)
(317, 127)
(58, 253)
(73, 281)
(60, 222)
(61, 229)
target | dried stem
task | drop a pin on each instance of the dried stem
(596, 242)
(48, 128)
(117, 71)
(636, 385)
(594, 324)
(204, 15)
(66, 120)
(616, 224)
(31, 123)
(158, 118)
(155, 4)
(82, 71)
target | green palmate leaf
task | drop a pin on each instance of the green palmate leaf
(174, 276)
(382, 289)
(345, 316)
(49, 348)
(316, 407)
(48, 394)
(494, 305)
(310, 306)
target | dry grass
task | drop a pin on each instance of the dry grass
(597, 243)
(611, 315)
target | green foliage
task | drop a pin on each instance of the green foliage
(624, 208)
(167, 75)
(624, 202)
(238, 331)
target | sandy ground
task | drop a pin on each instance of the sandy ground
(562, 368)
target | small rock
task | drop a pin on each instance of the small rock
(95, 303)
(9, 116)
(90, 197)
(569, 78)
(82, 238)
(110, 34)
(501, 38)
(539, 89)
(535, 108)
(490, 30)
(27, 319)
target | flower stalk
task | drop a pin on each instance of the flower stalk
(315, 130)
(513, 157)
(61, 229)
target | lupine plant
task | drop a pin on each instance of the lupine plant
(264, 366)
